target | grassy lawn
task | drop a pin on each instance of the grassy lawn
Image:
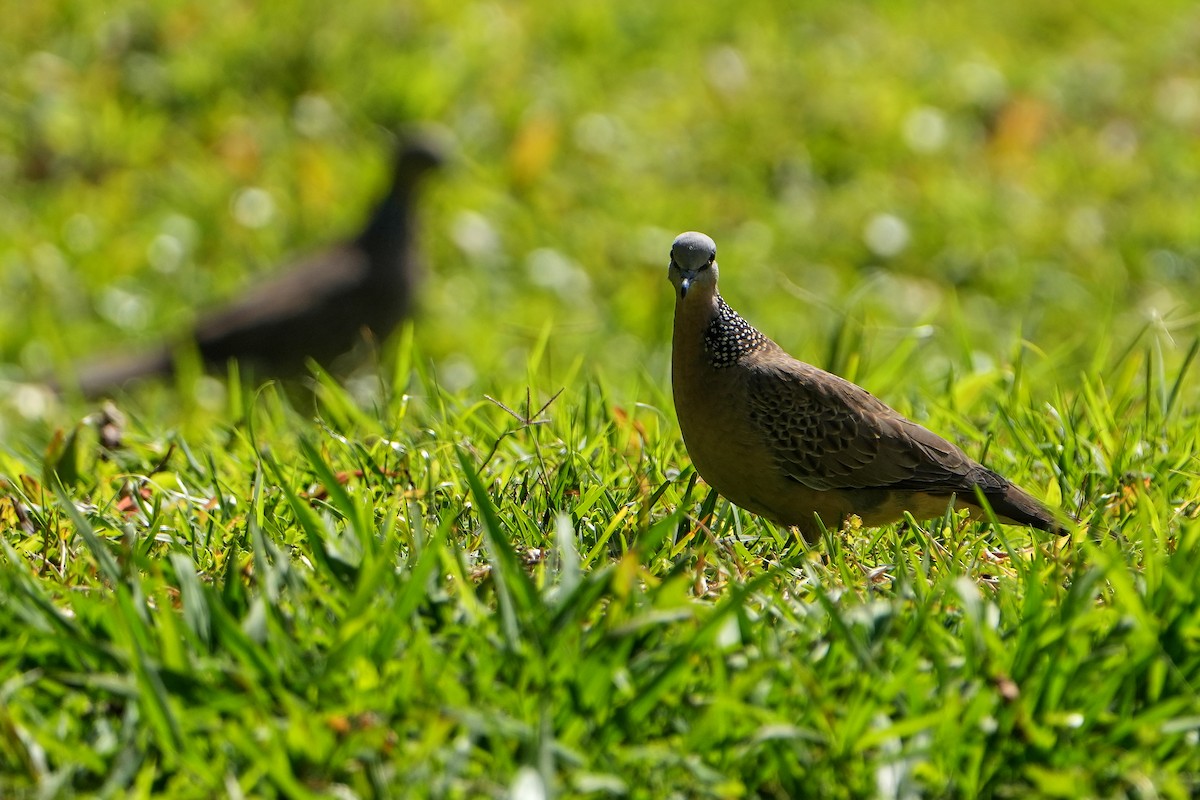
(483, 565)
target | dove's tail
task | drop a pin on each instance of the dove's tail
(1015, 505)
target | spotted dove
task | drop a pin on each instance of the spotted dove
(795, 443)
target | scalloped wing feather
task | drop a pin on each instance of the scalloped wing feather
(826, 433)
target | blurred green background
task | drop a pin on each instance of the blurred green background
(941, 180)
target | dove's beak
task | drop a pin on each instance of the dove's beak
(684, 282)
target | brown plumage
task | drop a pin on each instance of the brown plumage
(792, 442)
(318, 308)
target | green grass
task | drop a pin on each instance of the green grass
(483, 566)
(435, 594)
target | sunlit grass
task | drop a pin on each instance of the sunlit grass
(436, 591)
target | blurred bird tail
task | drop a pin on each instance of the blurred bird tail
(104, 377)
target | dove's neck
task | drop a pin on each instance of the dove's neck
(728, 338)
(707, 328)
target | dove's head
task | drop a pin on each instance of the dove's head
(693, 264)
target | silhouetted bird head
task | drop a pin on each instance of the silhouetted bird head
(417, 154)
